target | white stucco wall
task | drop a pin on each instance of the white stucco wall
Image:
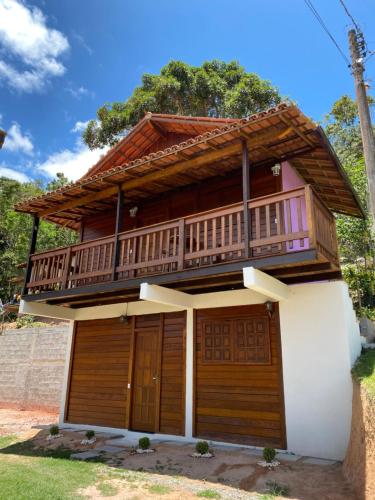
(320, 342)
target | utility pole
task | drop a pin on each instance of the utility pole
(367, 133)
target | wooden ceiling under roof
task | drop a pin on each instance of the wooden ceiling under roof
(281, 133)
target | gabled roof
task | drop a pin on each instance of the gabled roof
(153, 130)
(278, 134)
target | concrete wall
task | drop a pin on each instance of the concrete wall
(32, 362)
(320, 342)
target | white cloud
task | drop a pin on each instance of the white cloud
(73, 163)
(79, 126)
(82, 42)
(17, 141)
(13, 174)
(26, 37)
(79, 92)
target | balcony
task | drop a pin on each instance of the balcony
(289, 224)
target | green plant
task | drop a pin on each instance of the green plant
(54, 430)
(364, 370)
(208, 494)
(202, 447)
(90, 434)
(159, 489)
(107, 489)
(276, 489)
(269, 454)
(144, 443)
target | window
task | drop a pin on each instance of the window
(241, 341)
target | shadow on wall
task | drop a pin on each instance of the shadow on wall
(359, 464)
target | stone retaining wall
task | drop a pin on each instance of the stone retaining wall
(32, 362)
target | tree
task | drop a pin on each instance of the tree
(15, 230)
(355, 236)
(216, 89)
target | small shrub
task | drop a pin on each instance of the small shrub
(144, 443)
(90, 434)
(202, 447)
(269, 454)
(276, 489)
(54, 430)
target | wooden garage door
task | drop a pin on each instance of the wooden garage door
(99, 373)
(102, 352)
(238, 378)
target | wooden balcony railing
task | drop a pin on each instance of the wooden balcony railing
(285, 222)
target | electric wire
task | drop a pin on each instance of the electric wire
(349, 15)
(325, 28)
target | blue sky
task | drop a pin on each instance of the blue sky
(61, 60)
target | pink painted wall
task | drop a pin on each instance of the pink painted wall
(291, 180)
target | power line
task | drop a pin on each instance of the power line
(325, 28)
(349, 15)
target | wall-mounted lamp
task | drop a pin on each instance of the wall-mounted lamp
(276, 169)
(133, 211)
(269, 307)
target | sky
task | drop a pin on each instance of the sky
(61, 60)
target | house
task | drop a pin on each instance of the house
(205, 292)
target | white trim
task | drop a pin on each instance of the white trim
(65, 387)
(265, 284)
(163, 295)
(46, 310)
(189, 373)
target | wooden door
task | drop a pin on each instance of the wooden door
(146, 380)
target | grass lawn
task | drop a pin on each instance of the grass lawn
(364, 371)
(28, 474)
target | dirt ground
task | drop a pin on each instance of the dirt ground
(14, 420)
(232, 473)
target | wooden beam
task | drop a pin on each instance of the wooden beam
(263, 283)
(246, 197)
(166, 296)
(33, 239)
(118, 230)
(296, 130)
(175, 168)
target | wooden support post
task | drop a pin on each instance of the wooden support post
(181, 244)
(34, 234)
(246, 197)
(118, 230)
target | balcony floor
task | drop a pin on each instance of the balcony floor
(293, 267)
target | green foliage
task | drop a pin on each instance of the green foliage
(144, 443)
(27, 321)
(361, 280)
(159, 489)
(90, 434)
(202, 447)
(356, 241)
(15, 231)
(216, 88)
(54, 430)
(269, 454)
(208, 494)
(275, 490)
(364, 370)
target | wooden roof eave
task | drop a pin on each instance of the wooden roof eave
(291, 136)
(340, 168)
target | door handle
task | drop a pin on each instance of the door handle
(156, 378)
